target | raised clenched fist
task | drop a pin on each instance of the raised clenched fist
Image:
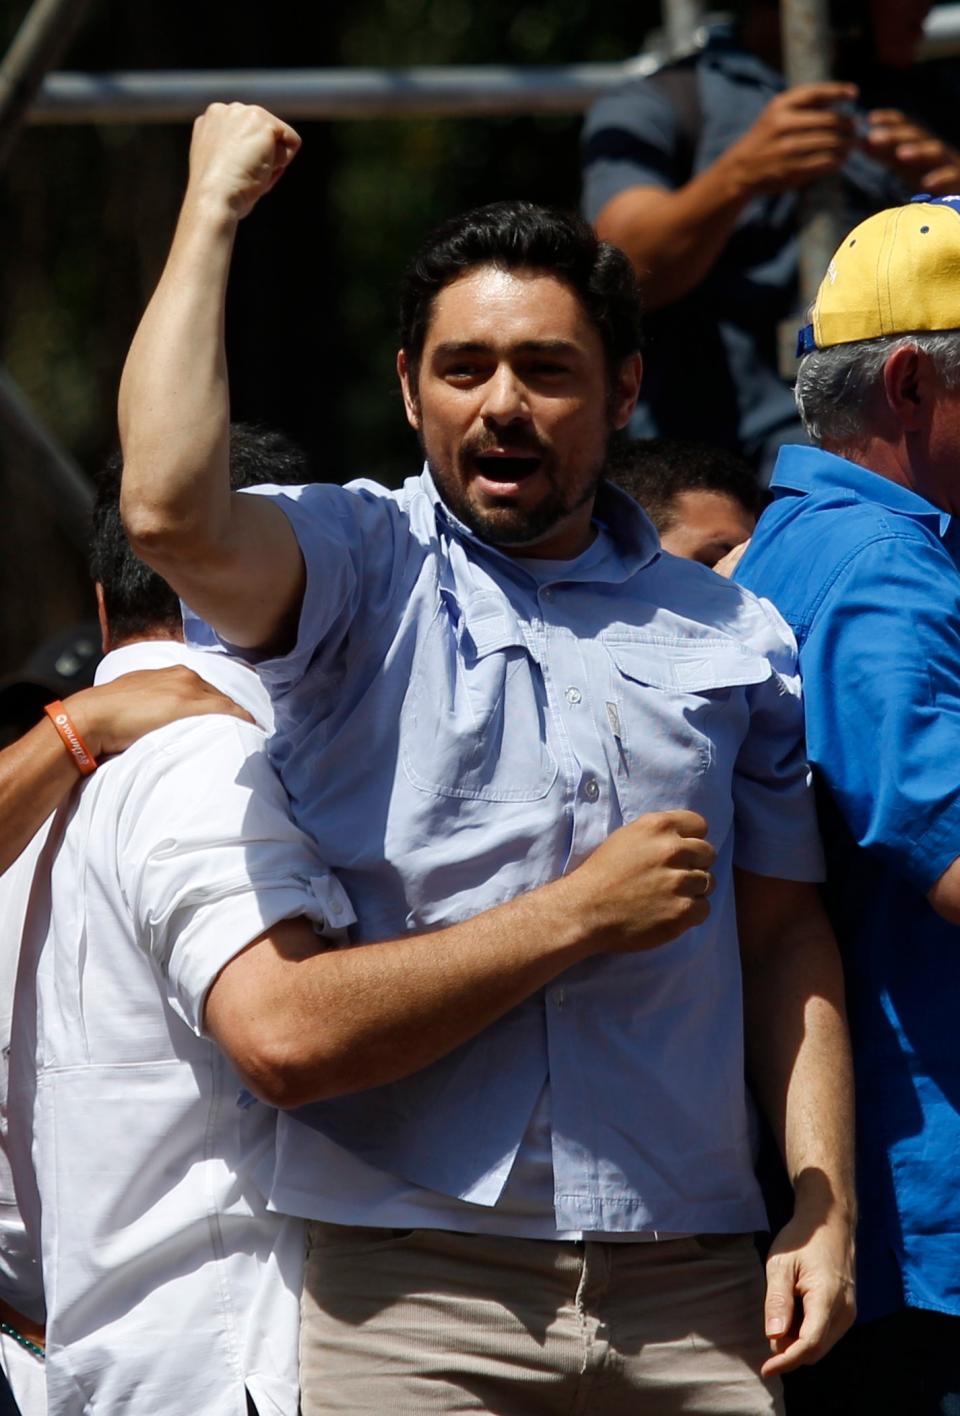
(237, 154)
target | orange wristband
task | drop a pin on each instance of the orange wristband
(83, 758)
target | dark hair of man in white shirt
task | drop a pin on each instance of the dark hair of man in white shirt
(138, 603)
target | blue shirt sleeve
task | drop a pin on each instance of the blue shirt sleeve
(881, 666)
(775, 816)
(355, 545)
(632, 138)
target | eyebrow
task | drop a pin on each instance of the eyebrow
(527, 346)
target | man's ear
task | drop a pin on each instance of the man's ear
(626, 391)
(411, 401)
(909, 381)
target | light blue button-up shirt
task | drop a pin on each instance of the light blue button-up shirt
(453, 730)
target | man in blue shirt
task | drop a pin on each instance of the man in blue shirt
(859, 551)
(477, 679)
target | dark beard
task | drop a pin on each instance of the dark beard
(509, 525)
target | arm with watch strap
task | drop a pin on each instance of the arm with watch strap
(39, 770)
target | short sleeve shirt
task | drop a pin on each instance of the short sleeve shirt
(455, 731)
(173, 857)
(711, 369)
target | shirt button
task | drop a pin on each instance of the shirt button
(591, 789)
(573, 695)
(546, 594)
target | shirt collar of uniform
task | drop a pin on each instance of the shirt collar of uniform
(810, 469)
(635, 538)
(237, 680)
(725, 51)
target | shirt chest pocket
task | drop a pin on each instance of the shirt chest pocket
(474, 718)
(680, 711)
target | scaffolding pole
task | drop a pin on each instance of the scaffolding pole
(40, 41)
(682, 19)
(807, 48)
(172, 96)
(33, 450)
(43, 37)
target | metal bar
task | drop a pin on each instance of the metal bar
(37, 451)
(941, 33)
(147, 96)
(681, 21)
(806, 35)
(176, 97)
(46, 31)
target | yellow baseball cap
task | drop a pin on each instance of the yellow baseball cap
(896, 273)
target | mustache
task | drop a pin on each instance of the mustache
(510, 440)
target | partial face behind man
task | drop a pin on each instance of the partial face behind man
(705, 525)
(514, 402)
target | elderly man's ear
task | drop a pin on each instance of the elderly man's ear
(910, 383)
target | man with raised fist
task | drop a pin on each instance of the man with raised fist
(476, 680)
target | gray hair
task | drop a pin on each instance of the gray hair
(836, 386)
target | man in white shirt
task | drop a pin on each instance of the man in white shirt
(21, 1288)
(36, 775)
(170, 893)
(169, 1287)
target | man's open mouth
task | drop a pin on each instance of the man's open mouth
(507, 467)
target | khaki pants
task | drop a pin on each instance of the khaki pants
(401, 1323)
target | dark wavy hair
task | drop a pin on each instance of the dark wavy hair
(656, 470)
(521, 236)
(136, 599)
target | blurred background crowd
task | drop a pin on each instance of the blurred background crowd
(87, 210)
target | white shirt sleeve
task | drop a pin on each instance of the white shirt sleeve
(21, 1283)
(209, 858)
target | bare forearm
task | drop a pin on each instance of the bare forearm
(944, 893)
(674, 239)
(348, 1019)
(799, 1064)
(174, 402)
(37, 772)
(302, 1026)
(35, 775)
(234, 559)
(799, 1059)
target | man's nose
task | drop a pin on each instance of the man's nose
(505, 397)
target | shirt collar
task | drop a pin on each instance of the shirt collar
(232, 677)
(810, 469)
(631, 530)
(725, 50)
